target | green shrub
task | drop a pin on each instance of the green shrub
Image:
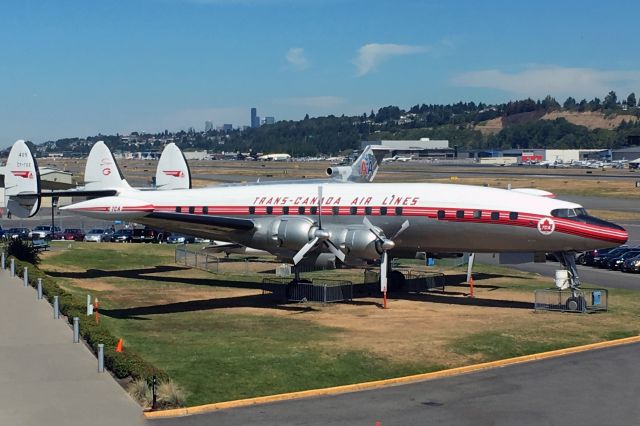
(23, 251)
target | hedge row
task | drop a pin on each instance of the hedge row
(121, 364)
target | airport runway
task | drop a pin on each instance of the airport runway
(591, 388)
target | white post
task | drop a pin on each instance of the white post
(89, 305)
(76, 329)
(100, 358)
(39, 288)
(13, 268)
(4, 262)
(25, 276)
(56, 309)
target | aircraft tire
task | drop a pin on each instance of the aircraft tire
(576, 304)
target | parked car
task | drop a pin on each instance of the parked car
(180, 239)
(616, 262)
(601, 260)
(17, 233)
(69, 234)
(122, 236)
(144, 235)
(98, 235)
(41, 232)
(586, 258)
(631, 264)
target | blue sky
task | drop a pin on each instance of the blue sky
(79, 68)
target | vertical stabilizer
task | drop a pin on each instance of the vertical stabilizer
(173, 171)
(102, 171)
(362, 170)
(22, 181)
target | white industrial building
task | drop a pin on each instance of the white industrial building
(423, 147)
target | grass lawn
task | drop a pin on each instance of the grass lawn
(221, 339)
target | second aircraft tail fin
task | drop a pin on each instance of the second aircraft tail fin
(363, 169)
(173, 171)
(102, 171)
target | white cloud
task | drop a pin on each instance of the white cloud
(319, 102)
(540, 81)
(295, 56)
(372, 54)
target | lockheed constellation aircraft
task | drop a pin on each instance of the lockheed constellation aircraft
(351, 223)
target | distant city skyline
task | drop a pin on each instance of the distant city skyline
(72, 68)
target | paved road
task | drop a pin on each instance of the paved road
(45, 378)
(593, 388)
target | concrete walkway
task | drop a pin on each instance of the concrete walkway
(45, 378)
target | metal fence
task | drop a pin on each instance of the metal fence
(584, 300)
(319, 290)
(415, 281)
(194, 259)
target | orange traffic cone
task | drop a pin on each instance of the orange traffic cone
(119, 345)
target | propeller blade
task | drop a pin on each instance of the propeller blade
(320, 206)
(335, 250)
(300, 254)
(369, 225)
(383, 271)
(403, 228)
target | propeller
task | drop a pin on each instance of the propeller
(319, 235)
(386, 244)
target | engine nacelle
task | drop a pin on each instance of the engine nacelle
(360, 243)
(339, 172)
(291, 232)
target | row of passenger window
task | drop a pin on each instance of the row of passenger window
(335, 210)
(353, 210)
(477, 214)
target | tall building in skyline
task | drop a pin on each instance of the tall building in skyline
(208, 126)
(269, 120)
(255, 120)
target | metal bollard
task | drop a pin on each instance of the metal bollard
(89, 305)
(76, 329)
(56, 309)
(39, 288)
(25, 277)
(4, 262)
(100, 358)
(13, 268)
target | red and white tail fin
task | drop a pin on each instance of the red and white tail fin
(22, 181)
(173, 171)
(102, 171)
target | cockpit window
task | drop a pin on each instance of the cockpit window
(569, 213)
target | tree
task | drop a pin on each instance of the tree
(631, 100)
(570, 104)
(610, 101)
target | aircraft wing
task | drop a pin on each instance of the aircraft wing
(195, 222)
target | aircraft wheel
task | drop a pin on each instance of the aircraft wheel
(396, 281)
(576, 304)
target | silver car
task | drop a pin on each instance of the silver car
(96, 235)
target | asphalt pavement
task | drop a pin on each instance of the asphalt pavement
(45, 378)
(600, 387)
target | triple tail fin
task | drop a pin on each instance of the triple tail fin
(101, 172)
(173, 171)
(22, 181)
